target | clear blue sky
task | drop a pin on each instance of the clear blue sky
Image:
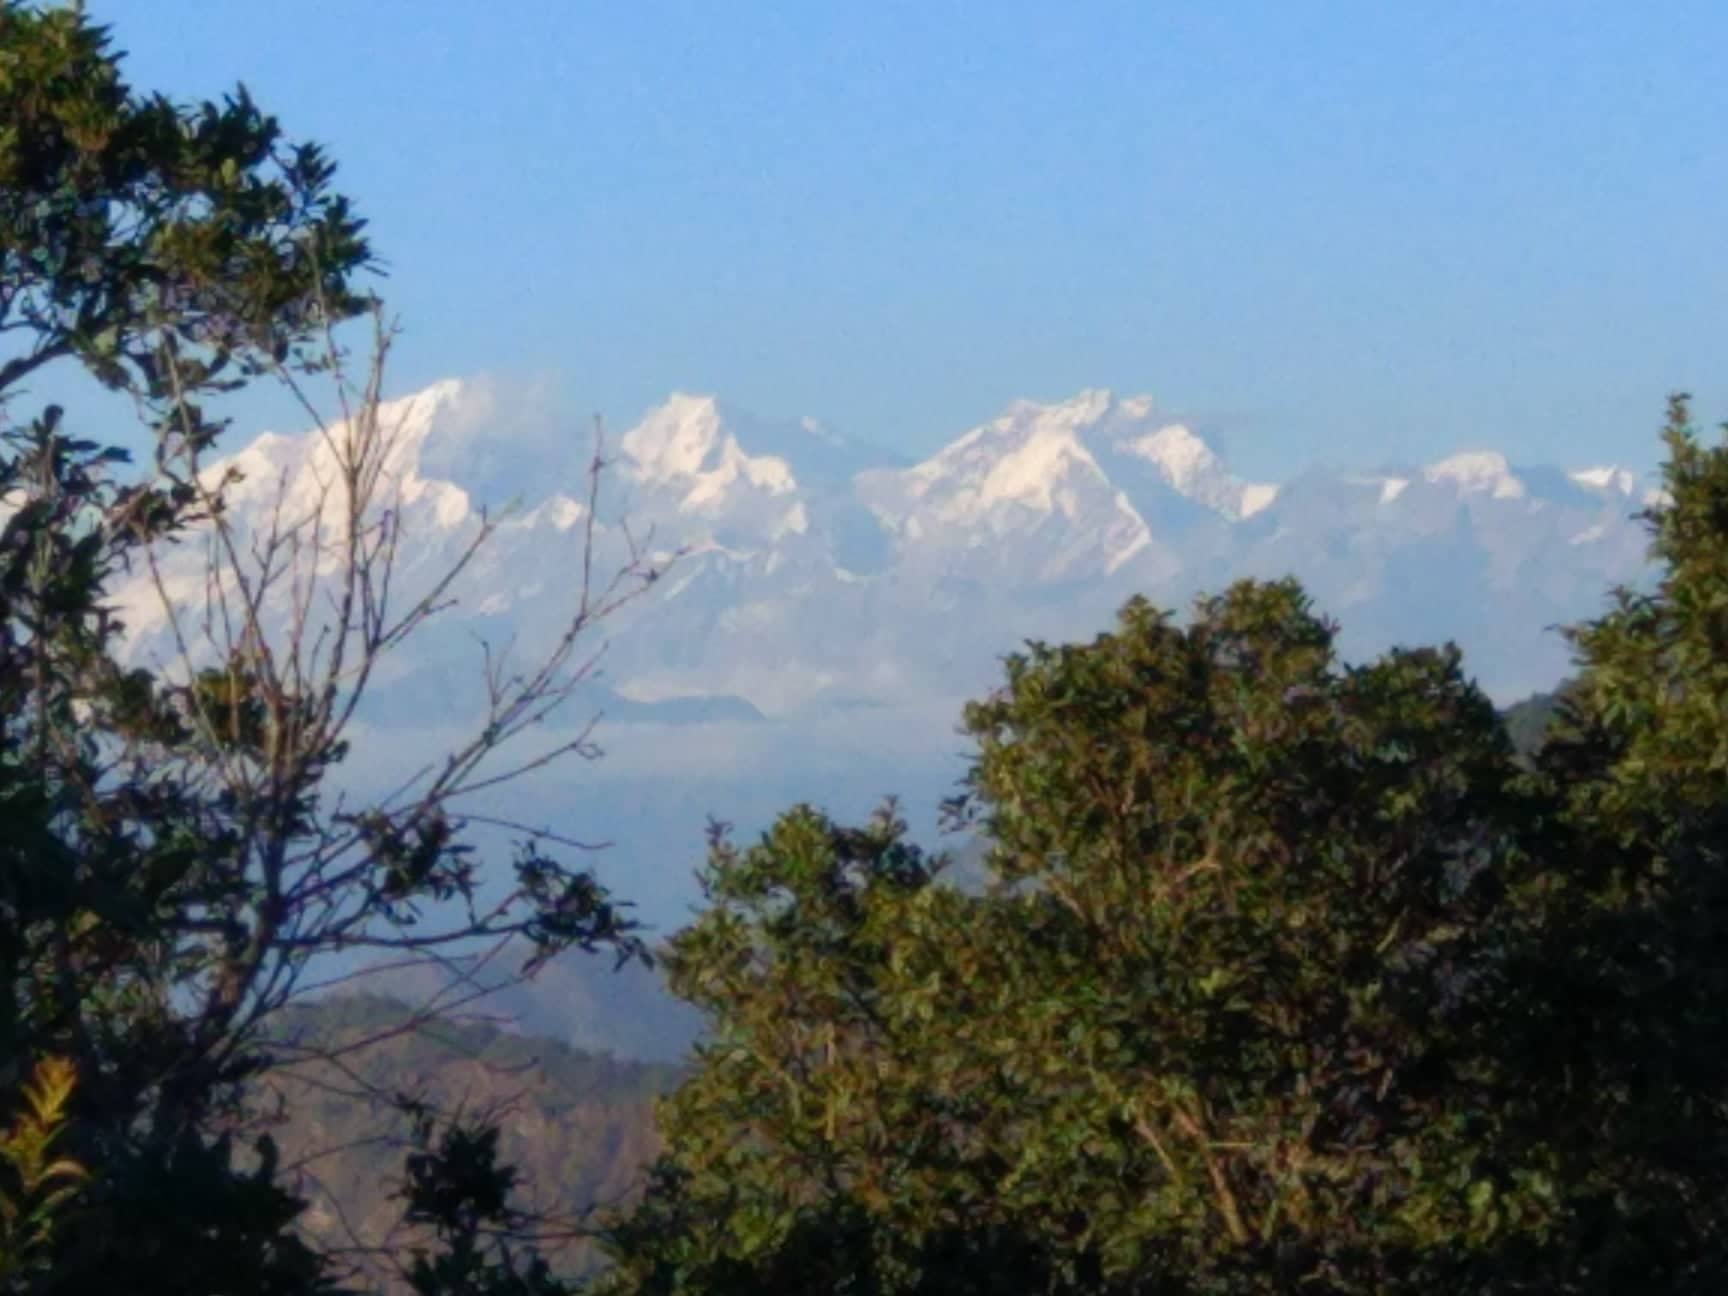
(1343, 232)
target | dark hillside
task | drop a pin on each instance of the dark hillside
(1528, 721)
(577, 1124)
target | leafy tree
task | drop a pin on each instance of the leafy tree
(457, 1188)
(171, 857)
(38, 1181)
(175, 251)
(1293, 976)
(1635, 911)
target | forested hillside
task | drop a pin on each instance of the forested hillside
(577, 1126)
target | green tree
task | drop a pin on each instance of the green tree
(456, 1188)
(38, 1182)
(175, 251)
(1634, 911)
(172, 859)
(1293, 976)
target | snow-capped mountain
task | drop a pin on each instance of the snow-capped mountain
(819, 569)
(1092, 484)
(832, 605)
(1021, 497)
(1039, 522)
(696, 445)
(714, 477)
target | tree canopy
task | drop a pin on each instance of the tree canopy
(1292, 976)
(172, 856)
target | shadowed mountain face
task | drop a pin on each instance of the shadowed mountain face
(1527, 722)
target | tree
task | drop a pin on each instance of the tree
(173, 856)
(1634, 916)
(38, 1182)
(1293, 976)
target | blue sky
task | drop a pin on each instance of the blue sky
(1336, 232)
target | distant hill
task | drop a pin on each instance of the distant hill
(581, 999)
(1527, 721)
(577, 1124)
(588, 1004)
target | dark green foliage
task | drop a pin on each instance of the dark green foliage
(1297, 978)
(1207, 1031)
(134, 229)
(184, 1218)
(170, 859)
(457, 1189)
(1636, 923)
(172, 252)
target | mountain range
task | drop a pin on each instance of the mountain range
(822, 573)
(826, 605)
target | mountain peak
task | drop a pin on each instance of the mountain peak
(1477, 472)
(683, 436)
(1088, 406)
(1177, 451)
(1024, 456)
(1190, 467)
(1608, 478)
(1037, 454)
(820, 567)
(1033, 472)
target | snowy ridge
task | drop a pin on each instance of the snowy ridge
(832, 607)
(1606, 477)
(1191, 468)
(685, 443)
(818, 567)
(1478, 472)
